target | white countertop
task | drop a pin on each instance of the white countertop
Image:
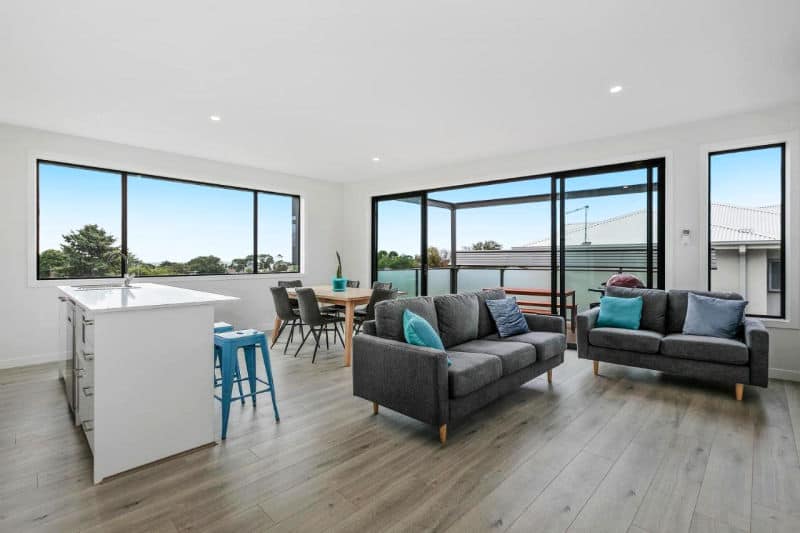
(139, 296)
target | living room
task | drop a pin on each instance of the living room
(201, 178)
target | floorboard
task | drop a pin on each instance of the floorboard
(628, 450)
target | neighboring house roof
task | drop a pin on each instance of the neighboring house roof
(729, 224)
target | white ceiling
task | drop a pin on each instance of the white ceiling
(317, 88)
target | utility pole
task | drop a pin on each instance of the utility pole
(585, 210)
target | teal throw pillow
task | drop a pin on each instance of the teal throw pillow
(419, 332)
(625, 313)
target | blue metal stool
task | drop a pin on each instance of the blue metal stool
(222, 327)
(229, 343)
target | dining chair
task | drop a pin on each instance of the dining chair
(381, 284)
(291, 283)
(353, 283)
(317, 322)
(289, 316)
(368, 313)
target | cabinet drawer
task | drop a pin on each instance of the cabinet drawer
(86, 402)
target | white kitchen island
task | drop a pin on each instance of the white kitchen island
(140, 371)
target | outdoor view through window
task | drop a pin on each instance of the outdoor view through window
(501, 234)
(173, 228)
(746, 226)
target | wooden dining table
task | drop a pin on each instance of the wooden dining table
(348, 298)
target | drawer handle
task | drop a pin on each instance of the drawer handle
(88, 391)
(88, 356)
(85, 323)
(79, 372)
(88, 425)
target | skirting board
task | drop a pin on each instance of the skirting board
(781, 373)
(31, 360)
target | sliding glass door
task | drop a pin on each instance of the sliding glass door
(397, 257)
(610, 226)
(554, 240)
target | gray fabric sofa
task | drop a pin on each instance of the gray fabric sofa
(417, 382)
(661, 345)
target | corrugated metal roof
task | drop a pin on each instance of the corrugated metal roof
(729, 223)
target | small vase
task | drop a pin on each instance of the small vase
(339, 284)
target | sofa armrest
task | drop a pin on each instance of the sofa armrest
(552, 323)
(756, 337)
(369, 328)
(405, 378)
(586, 321)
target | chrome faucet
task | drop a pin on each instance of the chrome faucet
(128, 276)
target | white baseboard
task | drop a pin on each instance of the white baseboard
(781, 373)
(33, 360)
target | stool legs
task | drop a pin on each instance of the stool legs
(268, 367)
(250, 361)
(228, 357)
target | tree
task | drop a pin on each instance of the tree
(90, 252)
(265, 262)
(394, 261)
(437, 258)
(206, 264)
(487, 245)
(51, 263)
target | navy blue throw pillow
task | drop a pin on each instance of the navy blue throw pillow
(507, 316)
(713, 317)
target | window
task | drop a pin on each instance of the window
(747, 226)
(556, 238)
(90, 219)
(774, 276)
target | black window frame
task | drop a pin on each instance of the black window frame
(558, 194)
(782, 259)
(296, 234)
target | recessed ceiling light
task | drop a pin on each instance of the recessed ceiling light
(615, 89)
(215, 118)
(376, 159)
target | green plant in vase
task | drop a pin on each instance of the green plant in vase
(339, 283)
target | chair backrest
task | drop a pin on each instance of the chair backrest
(353, 283)
(378, 295)
(309, 307)
(381, 284)
(291, 283)
(283, 305)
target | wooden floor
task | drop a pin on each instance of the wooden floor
(629, 450)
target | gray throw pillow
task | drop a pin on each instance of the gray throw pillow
(713, 317)
(507, 316)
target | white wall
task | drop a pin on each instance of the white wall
(685, 148)
(29, 314)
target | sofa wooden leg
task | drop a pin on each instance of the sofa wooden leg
(550, 376)
(739, 391)
(443, 434)
(596, 366)
(374, 408)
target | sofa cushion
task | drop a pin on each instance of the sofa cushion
(513, 355)
(419, 332)
(678, 300)
(507, 317)
(625, 313)
(471, 371)
(654, 305)
(389, 315)
(713, 317)
(700, 348)
(548, 344)
(486, 324)
(639, 340)
(458, 317)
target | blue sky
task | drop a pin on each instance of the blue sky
(177, 221)
(167, 220)
(733, 176)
